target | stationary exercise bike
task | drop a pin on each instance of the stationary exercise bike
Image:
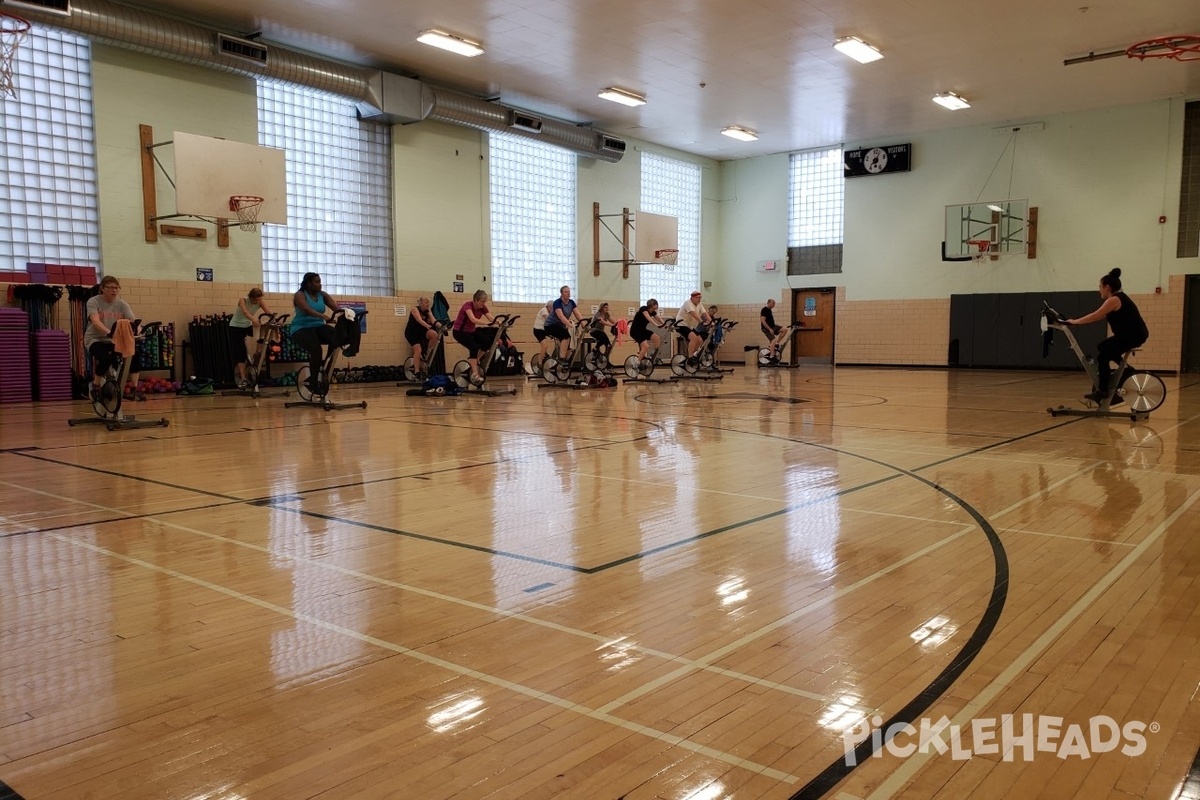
(773, 357)
(270, 338)
(640, 369)
(108, 398)
(462, 370)
(1141, 391)
(683, 366)
(414, 375)
(317, 394)
(556, 368)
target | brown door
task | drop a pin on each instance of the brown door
(813, 344)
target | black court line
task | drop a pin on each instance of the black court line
(1190, 790)
(8, 793)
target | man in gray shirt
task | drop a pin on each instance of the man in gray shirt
(103, 311)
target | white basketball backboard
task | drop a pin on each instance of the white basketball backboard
(653, 233)
(208, 171)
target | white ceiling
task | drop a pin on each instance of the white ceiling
(767, 65)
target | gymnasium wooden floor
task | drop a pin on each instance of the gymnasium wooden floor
(685, 592)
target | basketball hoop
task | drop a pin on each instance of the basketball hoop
(1179, 48)
(247, 207)
(666, 257)
(983, 249)
(13, 30)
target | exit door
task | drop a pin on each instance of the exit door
(814, 309)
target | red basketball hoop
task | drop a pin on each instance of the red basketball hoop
(668, 257)
(1178, 48)
(246, 206)
(13, 31)
(983, 248)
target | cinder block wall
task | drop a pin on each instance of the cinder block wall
(888, 332)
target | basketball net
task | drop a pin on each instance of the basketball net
(13, 32)
(246, 206)
(667, 258)
(983, 249)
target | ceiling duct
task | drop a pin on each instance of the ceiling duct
(524, 122)
(410, 100)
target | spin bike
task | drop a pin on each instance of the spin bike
(107, 400)
(318, 394)
(773, 357)
(462, 370)
(414, 375)
(708, 351)
(1142, 391)
(640, 369)
(270, 338)
(689, 366)
(554, 368)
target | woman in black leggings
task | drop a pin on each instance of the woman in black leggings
(1128, 329)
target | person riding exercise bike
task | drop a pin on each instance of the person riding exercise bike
(103, 311)
(308, 330)
(1128, 328)
(242, 326)
(422, 334)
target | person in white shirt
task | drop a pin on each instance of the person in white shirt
(692, 322)
(539, 326)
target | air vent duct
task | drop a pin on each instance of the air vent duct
(524, 122)
(61, 7)
(610, 144)
(378, 96)
(244, 49)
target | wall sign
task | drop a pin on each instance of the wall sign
(204, 274)
(877, 160)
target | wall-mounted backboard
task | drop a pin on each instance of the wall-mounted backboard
(654, 233)
(208, 171)
(1004, 223)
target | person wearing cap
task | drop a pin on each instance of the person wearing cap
(243, 325)
(691, 322)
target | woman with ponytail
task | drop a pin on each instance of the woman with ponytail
(1128, 329)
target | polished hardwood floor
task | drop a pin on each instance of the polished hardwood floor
(684, 591)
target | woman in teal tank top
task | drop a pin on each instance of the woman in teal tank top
(313, 308)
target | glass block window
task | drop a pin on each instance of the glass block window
(49, 211)
(672, 187)
(533, 199)
(816, 211)
(339, 193)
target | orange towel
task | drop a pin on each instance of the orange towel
(122, 338)
(622, 327)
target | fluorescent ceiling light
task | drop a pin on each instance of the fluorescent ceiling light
(448, 41)
(951, 101)
(857, 49)
(740, 133)
(994, 207)
(623, 97)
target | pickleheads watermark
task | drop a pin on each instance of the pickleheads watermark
(1006, 736)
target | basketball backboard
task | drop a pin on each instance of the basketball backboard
(654, 233)
(208, 171)
(1002, 222)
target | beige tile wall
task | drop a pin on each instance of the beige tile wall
(893, 332)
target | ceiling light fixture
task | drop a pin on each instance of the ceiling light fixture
(951, 101)
(740, 133)
(857, 49)
(448, 41)
(625, 98)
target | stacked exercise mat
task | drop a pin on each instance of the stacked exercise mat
(52, 364)
(16, 378)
